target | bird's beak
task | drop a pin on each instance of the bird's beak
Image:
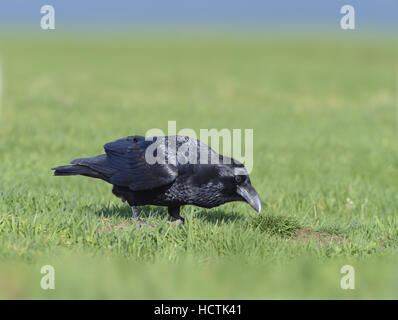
(251, 196)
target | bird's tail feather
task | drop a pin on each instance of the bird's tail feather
(73, 170)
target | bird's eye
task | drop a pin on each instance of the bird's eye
(238, 179)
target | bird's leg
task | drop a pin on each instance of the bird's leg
(174, 213)
(135, 214)
(140, 222)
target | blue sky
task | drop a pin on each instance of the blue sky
(119, 15)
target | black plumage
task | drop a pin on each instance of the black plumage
(167, 171)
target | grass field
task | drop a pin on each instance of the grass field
(324, 114)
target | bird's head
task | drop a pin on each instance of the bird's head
(238, 186)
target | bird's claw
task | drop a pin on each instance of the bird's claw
(142, 224)
(178, 223)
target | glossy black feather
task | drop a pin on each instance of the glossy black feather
(182, 178)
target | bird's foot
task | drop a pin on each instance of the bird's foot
(177, 223)
(142, 224)
(174, 216)
(180, 221)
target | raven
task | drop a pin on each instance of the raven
(167, 171)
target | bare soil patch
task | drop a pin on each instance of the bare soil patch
(322, 239)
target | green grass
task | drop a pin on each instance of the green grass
(324, 114)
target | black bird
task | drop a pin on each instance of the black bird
(167, 171)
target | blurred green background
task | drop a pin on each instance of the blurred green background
(324, 118)
(323, 107)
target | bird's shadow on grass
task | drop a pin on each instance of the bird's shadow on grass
(214, 216)
(117, 211)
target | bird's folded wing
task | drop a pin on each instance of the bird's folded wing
(128, 157)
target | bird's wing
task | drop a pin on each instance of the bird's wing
(128, 156)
